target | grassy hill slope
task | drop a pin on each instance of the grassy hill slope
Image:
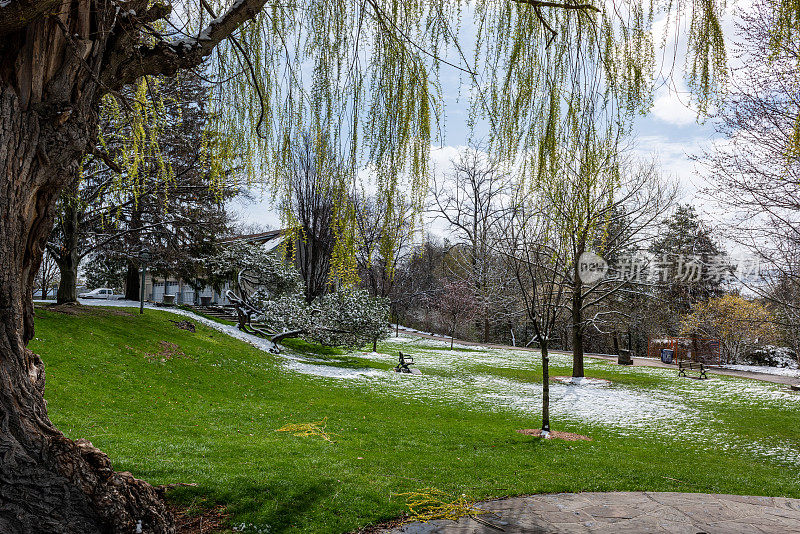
(174, 406)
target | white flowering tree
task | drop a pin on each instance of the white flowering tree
(274, 275)
(269, 299)
(350, 317)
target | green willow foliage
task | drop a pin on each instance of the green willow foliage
(555, 84)
(787, 23)
(135, 132)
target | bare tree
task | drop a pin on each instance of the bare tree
(418, 278)
(535, 253)
(310, 206)
(469, 201)
(755, 170)
(385, 234)
(456, 302)
(48, 274)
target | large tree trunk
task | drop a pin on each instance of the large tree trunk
(577, 329)
(57, 58)
(132, 282)
(68, 286)
(68, 257)
(48, 483)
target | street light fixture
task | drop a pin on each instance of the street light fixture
(144, 259)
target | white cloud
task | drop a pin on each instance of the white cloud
(675, 160)
(674, 108)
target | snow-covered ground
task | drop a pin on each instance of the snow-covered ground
(780, 371)
(669, 411)
(466, 378)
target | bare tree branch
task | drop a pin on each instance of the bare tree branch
(168, 57)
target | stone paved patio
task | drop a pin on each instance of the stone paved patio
(621, 512)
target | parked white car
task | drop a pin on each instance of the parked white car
(101, 293)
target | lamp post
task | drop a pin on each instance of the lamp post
(144, 257)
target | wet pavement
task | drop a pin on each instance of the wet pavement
(621, 512)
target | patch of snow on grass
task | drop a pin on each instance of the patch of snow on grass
(780, 371)
(328, 371)
(401, 339)
(583, 381)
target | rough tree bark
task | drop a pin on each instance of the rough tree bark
(57, 58)
(49, 482)
(68, 286)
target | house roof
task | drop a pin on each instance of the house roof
(262, 237)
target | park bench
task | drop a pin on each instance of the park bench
(403, 364)
(700, 368)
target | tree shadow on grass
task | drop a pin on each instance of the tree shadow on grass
(311, 349)
(279, 506)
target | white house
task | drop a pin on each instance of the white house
(179, 292)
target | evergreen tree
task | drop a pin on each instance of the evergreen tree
(689, 264)
(176, 208)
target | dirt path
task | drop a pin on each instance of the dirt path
(643, 362)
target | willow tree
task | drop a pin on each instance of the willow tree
(58, 60)
(602, 202)
(360, 76)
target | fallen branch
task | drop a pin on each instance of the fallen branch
(431, 504)
(308, 429)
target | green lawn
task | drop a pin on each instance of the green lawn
(205, 411)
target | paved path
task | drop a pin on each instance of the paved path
(645, 512)
(645, 362)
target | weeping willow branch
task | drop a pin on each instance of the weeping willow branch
(317, 428)
(369, 92)
(553, 33)
(250, 69)
(559, 5)
(391, 27)
(106, 158)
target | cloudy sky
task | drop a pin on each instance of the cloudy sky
(671, 131)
